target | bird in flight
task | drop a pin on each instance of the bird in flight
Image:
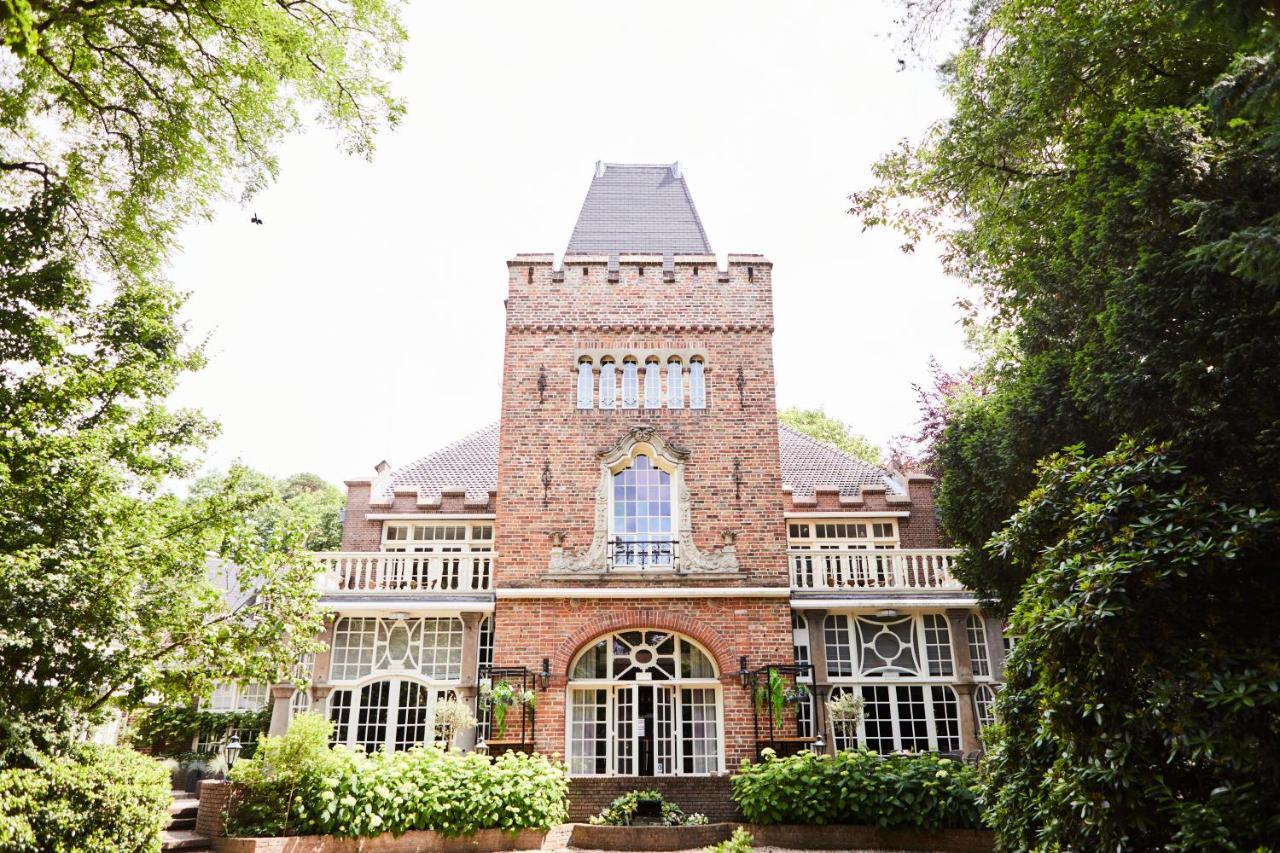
(254, 219)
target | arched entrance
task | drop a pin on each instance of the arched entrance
(644, 702)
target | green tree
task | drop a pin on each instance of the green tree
(304, 502)
(818, 424)
(1110, 182)
(119, 123)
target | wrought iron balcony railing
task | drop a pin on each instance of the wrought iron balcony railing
(639, 555)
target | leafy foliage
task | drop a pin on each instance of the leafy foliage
(622, 811)
(500, 698)
(1110, 182)
(297, 785)
(110, 593)
(740, 842)
(818, 424)
(859, 787)
(304, 502)
(178, 725)
(1136, 714)
(96, 799)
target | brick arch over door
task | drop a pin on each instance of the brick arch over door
(630, 620)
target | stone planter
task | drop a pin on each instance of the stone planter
(410, 842)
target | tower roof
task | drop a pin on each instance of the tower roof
(638, 208)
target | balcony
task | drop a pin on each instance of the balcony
(863, 570)
(632, 555)
(400, 573)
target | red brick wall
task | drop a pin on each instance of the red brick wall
(588, 795)
(549, 322)
(530, 629)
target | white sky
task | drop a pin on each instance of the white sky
(364, 320)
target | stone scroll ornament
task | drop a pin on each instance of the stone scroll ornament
(595, 559)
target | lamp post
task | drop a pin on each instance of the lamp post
(231, 751)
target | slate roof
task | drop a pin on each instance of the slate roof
(637, 208)
(809, 464)
(472, 464)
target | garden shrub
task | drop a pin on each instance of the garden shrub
(169, 730)
(740, 842)
(923, 791)
(297, 785)
(97, 799)
(623, 810)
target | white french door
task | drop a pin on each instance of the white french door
(643, 730)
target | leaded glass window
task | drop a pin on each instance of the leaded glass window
(643, 520)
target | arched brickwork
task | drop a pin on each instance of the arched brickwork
(628, 620)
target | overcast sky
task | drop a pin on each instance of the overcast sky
(364, 319)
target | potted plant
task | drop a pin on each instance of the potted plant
(771, 696)
(501, 697)
(845, 709)
(452, 717)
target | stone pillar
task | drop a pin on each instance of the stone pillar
(320, 669)
(995, 645)
(280, 696)
(969, 741)
(470, 680)
(815, 622)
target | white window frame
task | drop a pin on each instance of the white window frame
(658, 464)
(437, 691)
(613, 687)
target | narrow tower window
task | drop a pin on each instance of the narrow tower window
(630, 389)
(584, 384)
(652, 383)
(697, 385)
(608, 384)
(675, 384)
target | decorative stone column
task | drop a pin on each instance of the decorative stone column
(320, 687)
(470, 680)
(969, 741)
(815, 622)
(280, 696)
(994, 626)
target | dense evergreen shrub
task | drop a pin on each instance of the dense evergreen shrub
(922, 791)
(98, 799)
(297, 785)
(622, 811)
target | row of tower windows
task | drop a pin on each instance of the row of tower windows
(652, 388)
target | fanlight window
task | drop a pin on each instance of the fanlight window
(431, 647)
(643, 656)
(643, 521)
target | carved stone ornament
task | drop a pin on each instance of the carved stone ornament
(595, 559)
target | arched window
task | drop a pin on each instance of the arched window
(392, 714)
(643, 521)
(697, 385)
(984, 701)
(584, 384)
(977, 636)
(608, 384)
(630, 385)
(646, 703)
(675, 384)
(652, 383)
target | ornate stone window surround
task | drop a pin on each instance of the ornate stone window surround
(664, 456)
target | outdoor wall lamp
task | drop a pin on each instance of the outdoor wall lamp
(545, 675)
(546, 482)
(744, 674)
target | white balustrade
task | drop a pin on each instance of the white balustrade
(866, 569)
(405, 572)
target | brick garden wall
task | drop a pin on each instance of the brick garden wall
(709, 795)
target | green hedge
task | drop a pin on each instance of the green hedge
(298, 785)
(921, 791)
(99, 798)
(170, 730)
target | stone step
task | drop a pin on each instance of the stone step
(184, 839)
(184, 806)
(182, 823)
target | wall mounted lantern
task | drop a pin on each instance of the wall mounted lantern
(542, 385)
(744, 674)
(545, 675)
(546, 483)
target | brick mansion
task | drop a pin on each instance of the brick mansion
(656, 577)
